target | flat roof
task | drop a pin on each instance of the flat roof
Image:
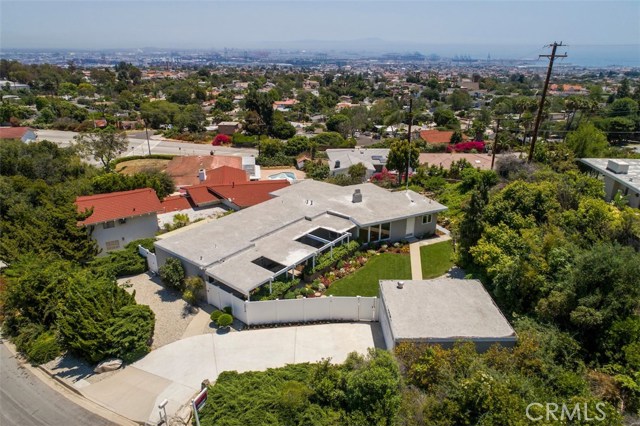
(630, 179)
(351, 156)
(228, 236)
(443, 310)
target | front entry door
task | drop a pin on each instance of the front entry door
(410, 225)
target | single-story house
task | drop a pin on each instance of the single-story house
(442, 311)
(229, 127)
(118, 218)
(25, 134)
(233, 195)
(13, 86)
(267, 242)
(620, 175)
(341, 159)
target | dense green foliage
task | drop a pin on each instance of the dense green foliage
(49, 302)
(113, 182)
(551, 248)
(57, 295)
(362, 391)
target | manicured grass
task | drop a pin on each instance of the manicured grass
(364, 282)
(436, 259)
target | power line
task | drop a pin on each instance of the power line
(552, 58)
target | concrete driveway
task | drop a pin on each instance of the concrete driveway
(175, 371)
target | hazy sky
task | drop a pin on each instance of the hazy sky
(95, 24)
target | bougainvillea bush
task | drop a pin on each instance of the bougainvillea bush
(467, 146)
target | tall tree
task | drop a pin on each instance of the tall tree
(587, 141)
(399, 154)
(104, 145)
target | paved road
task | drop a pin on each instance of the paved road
(138, 145)
(27, 401)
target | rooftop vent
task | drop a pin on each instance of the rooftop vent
(618, 167)
(337, 164)
(400, 284)
(202, 175)
(357, 196)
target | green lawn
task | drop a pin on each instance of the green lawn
(364, 282)
(436, 259)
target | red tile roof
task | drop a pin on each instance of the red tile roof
(225, 175)
(438, 136)
(184, 169)
(118, 205)
(249, 193)
(200, 195)
(13, 132)
(174, 203)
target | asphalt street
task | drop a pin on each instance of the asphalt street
(138, 145)
(26, 401)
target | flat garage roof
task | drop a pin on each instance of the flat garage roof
(443, 310)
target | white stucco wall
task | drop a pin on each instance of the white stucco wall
(133, 229)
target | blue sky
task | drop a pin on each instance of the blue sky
(93, 24)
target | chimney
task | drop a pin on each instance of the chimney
(202, 175)
(618, 167)
(233, 184)
(357, 196)
(400, 284)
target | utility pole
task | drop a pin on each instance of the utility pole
(147, 132)
(552, 58)
(409, 139)
(495, 143)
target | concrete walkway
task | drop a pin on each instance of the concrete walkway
(416, 260)
(176, 371)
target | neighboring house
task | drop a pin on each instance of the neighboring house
(620, 175)
(185, 170)
(438, 136)
(25, 134)
(120, 217)
(341, 159)
(229, 127)
(13, 86)
(442, 311)
(285, 105)
(255, 246)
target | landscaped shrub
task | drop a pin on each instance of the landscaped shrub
(44, 348)
(326, 259)
(224, 320)
(193, 286)
(278, 290)
(215, 315)
(123, 262)
(172, 274)
(221, 140)
(131, 332)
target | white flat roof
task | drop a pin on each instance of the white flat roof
(630, 179)
(443, 310)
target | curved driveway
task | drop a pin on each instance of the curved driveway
(175, 371)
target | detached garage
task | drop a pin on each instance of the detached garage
(442, 311)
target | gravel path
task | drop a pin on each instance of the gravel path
(173, 314)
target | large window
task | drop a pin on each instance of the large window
(363, 235)
(385, 231)
(375, 233)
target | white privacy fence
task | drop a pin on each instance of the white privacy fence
(152, 262)
(296, 310)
